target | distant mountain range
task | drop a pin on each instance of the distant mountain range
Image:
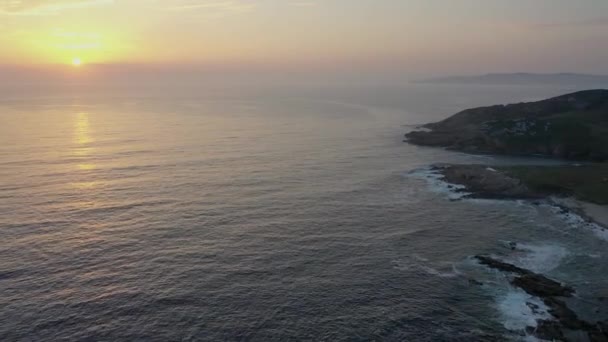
(523, 78)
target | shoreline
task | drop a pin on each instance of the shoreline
(491, 182)
(590, 212)
(549, 304)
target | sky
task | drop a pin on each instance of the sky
(436, 37)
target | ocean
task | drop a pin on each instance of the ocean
(264, 214)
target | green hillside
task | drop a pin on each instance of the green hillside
(572, 126)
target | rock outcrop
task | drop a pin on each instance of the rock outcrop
(485, 182)
(564, 186)
(565, 321)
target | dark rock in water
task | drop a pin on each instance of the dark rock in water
(567, 317)
(600, 332)
(475, 282)
(501, 266)
(566, 325)
(598, 337)
(541, 286)
(535, 308)
(533, 283)
(547, 330)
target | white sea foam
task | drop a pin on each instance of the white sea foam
(435, 272)
(420, 258)
(438, 185)
(576, 221)
(422, 264)
(600, 232)
(537, 258)
(456, 191)
(520, 310)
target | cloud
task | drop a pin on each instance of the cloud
(45, 7)
(595, 22)
(303, 3)
(214, 5)
(50, 7)
(226, 6)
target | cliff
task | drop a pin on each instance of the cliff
(572, 126)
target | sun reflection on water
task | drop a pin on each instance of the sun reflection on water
(86, 185)
(82, 127)
(83, 140)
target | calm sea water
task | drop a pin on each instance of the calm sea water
(264, 215)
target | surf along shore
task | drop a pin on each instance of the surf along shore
(572, 127)
(582, 189)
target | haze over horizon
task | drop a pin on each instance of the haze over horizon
(386, 39)
(303, 170)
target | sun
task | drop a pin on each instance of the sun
(76, 62)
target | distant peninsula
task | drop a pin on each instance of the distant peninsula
(572, 126)
(523, 79)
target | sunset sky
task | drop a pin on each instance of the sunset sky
(422, 36)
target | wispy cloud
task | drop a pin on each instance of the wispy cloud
(51, 7)
(303, 3)
(595, 22)
(213, 5)
(228, 5)
(45, 7)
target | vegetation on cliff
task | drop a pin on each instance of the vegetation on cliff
(573, 126)
(586, 182)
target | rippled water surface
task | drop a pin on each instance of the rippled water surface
(274, 214)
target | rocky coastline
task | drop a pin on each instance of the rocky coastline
(564, 324)
(570, 127)
(481, 181)
(493, 182)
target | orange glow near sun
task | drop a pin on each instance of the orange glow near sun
(76, 62)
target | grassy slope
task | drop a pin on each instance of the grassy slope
(579, 131)
(587, 183)
(555, 127)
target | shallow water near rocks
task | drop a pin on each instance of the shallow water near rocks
(272, 214)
